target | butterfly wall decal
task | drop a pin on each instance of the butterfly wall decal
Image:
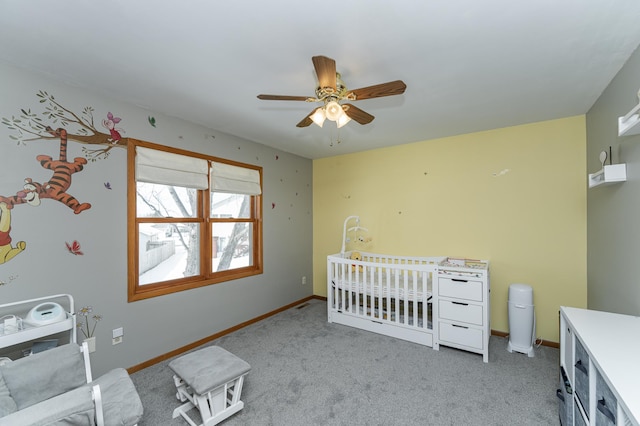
(74, 248)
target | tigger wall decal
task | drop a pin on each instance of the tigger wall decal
(57, 186)
(31, 125)
(30, 194)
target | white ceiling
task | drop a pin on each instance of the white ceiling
(468, 65)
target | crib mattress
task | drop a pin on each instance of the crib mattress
(384, 286)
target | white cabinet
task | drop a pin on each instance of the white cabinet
(463, 306)
(11, 335)
(598, 352)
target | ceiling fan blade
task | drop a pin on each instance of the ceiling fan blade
(325, 70)
(357, 114)
(307, 120)
(282, 98)
(379, 90)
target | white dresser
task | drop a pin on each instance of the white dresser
(463, 306)
(600, 354)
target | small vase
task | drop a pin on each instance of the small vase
(91, 343)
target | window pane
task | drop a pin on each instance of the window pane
(155, 200)
(231, 246)
(168, 251)
(225, 205)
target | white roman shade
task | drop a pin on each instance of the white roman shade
(234, 179)
(167, 168)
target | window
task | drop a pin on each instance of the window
(193, 220)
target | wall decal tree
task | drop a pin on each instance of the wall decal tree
(30, 126)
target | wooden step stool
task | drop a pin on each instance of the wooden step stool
(209, 379)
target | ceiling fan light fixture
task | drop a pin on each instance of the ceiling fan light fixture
(333, 110)
(318, 116)
(342, 120)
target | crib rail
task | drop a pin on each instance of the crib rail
(392, 291)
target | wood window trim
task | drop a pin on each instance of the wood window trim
(136, 292)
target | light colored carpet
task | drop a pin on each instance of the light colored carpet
(306, 371)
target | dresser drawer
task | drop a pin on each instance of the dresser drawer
(461, 335)
(460, 288)
(567, 338)
(565, 403)
(460, 311)
(581, 374)
(606, 403)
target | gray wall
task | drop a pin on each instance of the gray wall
(99, 278)
(613, 212)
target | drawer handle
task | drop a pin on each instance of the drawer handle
(581, 367)
(602, 407)
(459, 326)
(560, 395)
(460, 303)
(459, 280)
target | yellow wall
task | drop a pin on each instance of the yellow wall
(515, 196)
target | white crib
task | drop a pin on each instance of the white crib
(385, 294)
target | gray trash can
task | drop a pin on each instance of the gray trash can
(522, 319)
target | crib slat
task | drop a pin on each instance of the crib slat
(414, 299)
(379, 297)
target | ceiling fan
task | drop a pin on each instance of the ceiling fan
(331, 91)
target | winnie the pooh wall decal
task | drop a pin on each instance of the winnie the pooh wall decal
(8, 252)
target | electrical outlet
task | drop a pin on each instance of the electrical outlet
(116, 335)
(304, 280)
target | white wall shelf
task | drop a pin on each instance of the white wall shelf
(630, 123)
(630, 126)
(29, 332)
(613, 173)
